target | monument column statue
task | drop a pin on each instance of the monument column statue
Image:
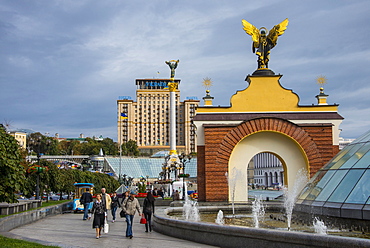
(173, 65)
(172, 86)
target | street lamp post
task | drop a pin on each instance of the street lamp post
(38, 177)
(165, 168)
(39, 145)
(36, 142)
(184, 159)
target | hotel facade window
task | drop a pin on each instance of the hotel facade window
(149, 110)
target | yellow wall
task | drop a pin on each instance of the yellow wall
(285, 148)
(265, 94)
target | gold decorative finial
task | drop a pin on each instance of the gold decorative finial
(207, 83)
(321, 80)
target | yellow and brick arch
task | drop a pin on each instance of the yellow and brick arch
(285, 127)
(217, 190)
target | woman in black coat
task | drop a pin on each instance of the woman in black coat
(148, 210)
(99, 210)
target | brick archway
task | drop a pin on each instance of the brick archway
(215, 186)
(271, 124)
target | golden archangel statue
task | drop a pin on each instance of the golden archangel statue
(262, 43)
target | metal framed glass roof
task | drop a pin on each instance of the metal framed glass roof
(343, 181)
(142, 167)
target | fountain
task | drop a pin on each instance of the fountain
(220, 218)
(190, 210)
(290, 196)
(258, 210)
(320, 227)
(337, 194)
(232, 179)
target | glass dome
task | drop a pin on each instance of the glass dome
(342, 187)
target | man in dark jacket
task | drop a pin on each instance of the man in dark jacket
(85, 200)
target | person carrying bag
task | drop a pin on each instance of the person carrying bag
(99, 211)
(122, 214)
(106, 226)
(148, 210)
(130, 205)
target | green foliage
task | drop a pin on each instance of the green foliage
(66, 181)
(11, 243)
(11, 170)
(14, 179)
(130, 148)
(89, 147)
(109, 146)
(62, 180)
(142, 187)
(99, 180)
(39, 143)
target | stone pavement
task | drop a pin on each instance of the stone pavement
(69, 230)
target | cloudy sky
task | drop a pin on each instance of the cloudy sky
(65, 63)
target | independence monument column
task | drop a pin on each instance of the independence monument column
(174, 159)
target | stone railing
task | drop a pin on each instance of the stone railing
(13, 221)
(23, 205)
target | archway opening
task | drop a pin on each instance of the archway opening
(287, 150)
(265, 171)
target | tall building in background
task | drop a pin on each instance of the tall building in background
(147, 122)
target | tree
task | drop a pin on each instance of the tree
(41, 144)
(109, 146)
(100, 180)
(67, 180)
(12, 173)
(51, 177)
(130, 148)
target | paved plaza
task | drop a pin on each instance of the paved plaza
(69, 230)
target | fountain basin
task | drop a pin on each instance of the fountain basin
(237, 236)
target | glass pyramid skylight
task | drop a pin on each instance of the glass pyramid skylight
(342, 187)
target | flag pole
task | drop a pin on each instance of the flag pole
(120, 145)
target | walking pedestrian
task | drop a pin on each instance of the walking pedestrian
(115, 204)
(130, 205)
(85, 200)
(124, 196)
(148, 210)
(99, 210)
(106, 199)
(176, 195)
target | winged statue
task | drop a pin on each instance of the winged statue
(173, 65)
(262, 43)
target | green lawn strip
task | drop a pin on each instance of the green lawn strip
(43, 204)
(11, 243)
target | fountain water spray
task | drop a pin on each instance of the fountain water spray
(258, 210)
(190, 210)
(220, 218)
(291, 195)
(232, 180)
(320, 227)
